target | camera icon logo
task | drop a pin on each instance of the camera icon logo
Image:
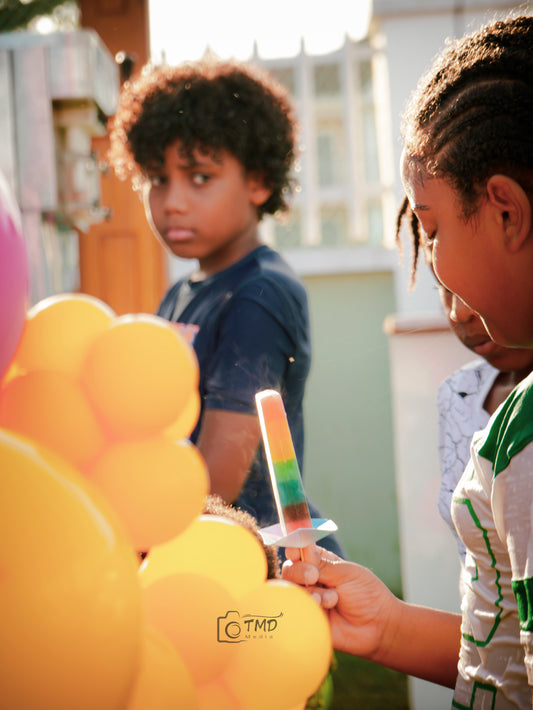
(229, 629)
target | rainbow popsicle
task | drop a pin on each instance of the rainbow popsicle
(282, 464)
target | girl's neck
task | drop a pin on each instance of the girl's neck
(503, 385)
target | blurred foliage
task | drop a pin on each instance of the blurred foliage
(17, 15)
(363, 685)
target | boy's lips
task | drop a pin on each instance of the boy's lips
(178, 234)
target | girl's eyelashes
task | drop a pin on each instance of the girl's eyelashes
(427, 237)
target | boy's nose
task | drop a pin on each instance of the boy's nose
(176, 199)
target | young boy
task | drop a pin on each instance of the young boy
(211, 145)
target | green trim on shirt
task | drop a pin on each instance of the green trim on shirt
(523, 591)
(511, 429)
(488, 693)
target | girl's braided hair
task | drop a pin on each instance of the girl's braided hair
(210, 106)
(470, 116)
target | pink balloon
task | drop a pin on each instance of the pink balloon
(14, 280)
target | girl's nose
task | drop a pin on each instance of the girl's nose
(459, 311)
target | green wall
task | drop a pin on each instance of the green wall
(349, 458)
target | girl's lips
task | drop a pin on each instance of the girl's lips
(484, 348)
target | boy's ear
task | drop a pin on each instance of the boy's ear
(513, 209)
(259, 192)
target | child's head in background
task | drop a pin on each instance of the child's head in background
(210, 106)
(212, 145)
(214, 505)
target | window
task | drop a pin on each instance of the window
(327, 79)
(342, 199)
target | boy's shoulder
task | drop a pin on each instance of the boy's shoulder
(268, 272)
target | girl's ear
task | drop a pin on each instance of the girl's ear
(512, 209)
(259, 192)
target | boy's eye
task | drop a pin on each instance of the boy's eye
(155, 180)
(200, 178)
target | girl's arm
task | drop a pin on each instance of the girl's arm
(368, 621)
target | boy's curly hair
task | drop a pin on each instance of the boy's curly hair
(211, 106)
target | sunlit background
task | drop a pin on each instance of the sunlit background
(231, 28)
(330, 69)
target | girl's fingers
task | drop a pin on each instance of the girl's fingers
(327, 598)
(301, 573)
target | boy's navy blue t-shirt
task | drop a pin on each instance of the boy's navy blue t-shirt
(249, 326)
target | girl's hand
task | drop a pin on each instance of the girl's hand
(359, 606)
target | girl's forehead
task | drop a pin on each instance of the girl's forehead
(414, 178)
(413, 170)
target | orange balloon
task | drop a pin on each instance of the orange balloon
(69, 591)
(187, 609)
(187, 420)
(285, 636)
(157, 487)
(12, 371)
(51, 408)
(140, 374)
(214, 546)
(163, 683)
(58, 331)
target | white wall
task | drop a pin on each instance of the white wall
(420, 360)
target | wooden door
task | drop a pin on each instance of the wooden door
(121, 262)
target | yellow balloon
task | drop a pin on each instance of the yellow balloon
(140, 374)
(58, 331)
(285, 636)
(51, 408)
(212, 546)
(187, 420)
(217, 696)
(187, 609)
(157, 487)
(69, 590)
(163, 682)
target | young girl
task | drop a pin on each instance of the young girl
(471, 394)
(467, 169)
